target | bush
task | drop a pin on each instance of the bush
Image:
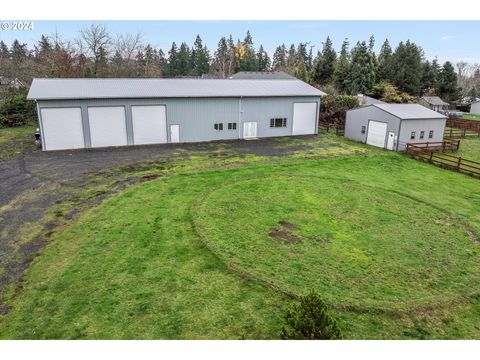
(16, 110)
(309, 320)
(333, 107)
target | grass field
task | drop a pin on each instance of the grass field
(389, 242)
(469, 148)
(15, 141)
(471, 117)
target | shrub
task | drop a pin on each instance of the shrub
(334, 107)
(309, 320)
(15, 109)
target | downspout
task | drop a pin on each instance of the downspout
(240, 126)
(39, 117)
(398, 136)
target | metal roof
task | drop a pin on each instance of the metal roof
(262, 75)
(50, 89)
(410, 111)
(434, 100)
(367, 100)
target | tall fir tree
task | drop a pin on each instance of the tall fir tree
(342, 68)
(324, 65)
(247, 59)
(447, 83)
(385, 62)
(301, 72)
(291, 60)
(171, 69)
(184, 60)
(200, 58)
(429, 78)
(263, 60)
(279, 60)
(361, 76)
(18, 52)
(407, 67)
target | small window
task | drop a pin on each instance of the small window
(232, 126)
(364, 129)
(430, 134)
(278, 122)
(422, 134)
(218, 126)
(412, 135)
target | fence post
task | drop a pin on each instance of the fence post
(459, 162)
(443, 146)
(431, 156)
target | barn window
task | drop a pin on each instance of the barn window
(364, 129)
(422, 134)
(430, 134)
(232, 126)
(218, 126)
(412, 135)
(278, 122)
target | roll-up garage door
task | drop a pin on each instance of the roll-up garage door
(107, 126)
(149, 124)
(377, 133)
(304, 118)
(62, 128)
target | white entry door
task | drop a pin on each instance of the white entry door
(107, 126)
(62, 128)
(304, 118)
(174, 133)
(390, 140)
(149, 124)
(377, 132)
(250, 129)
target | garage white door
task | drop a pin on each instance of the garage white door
(62, 129)
(377, 132)
(107, 126)
(304, 118)
(149, 124)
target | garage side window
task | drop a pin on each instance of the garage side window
(278, 122)
(430, 134)
(218, 126)
(232, 126)
(422, 134)
(412, 135)
(364, 129)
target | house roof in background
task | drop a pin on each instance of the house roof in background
(50, 89)
(434, 100)
(364, 100)
(262, 75)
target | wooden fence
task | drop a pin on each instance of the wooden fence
(460, 133)
(338, 128)
(464, 124)
(447, 161)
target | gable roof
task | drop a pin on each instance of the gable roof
(434, 100)
(262, 75)
(50, 89)
(410, 111)
(367, 100)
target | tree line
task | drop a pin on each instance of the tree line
(398, 74)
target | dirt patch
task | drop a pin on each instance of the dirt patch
(443, 222)
(287, 225)
(149, 177)
(283, 235)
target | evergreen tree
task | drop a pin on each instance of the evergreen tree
(291, 60)
(324, 65)
(4, 53)
(301, 73)
(247, 60)
(44, 47)
(279, 61)
(18, 52)
(184, 60)
(221, 57)
(302, 53)
(342, 68)
(407, 67)
(447, 83)
(361, 76)
(385, 61)
(171, 70)
(140, 64)
(429, 78)
(200, 58)
(263, 60)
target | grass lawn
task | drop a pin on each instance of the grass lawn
(15, 141)
(391, 244)
(471, 117)
(469, 148)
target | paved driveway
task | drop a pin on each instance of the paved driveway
(31, 184)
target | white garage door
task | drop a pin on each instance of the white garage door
(304, 118)
(107, 126)
(377, 132)
(149, 124)
(62, 129)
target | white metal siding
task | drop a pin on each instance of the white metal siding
(475, 108)
(107, 126)
(377, 131)
(62, 128)
(304, 118)
(149, 125)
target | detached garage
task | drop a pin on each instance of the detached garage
(92, 113)
(392, 126)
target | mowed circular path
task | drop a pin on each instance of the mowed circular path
(359, 246)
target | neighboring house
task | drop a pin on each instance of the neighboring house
(8, 82)
(434, 103)
(262, 75)
(88, 113)
(392, 126)
(364, 100)
(475, 107)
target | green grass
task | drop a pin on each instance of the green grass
(471, 117)
(469, 148)
(391, 244)
(16, 141)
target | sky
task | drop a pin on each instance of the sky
(447, 40)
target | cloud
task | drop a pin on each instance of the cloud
(446, 37)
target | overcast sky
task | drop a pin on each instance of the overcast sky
(447, 40)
